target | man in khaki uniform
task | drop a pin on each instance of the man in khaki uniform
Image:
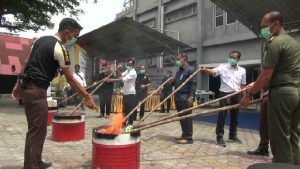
(281, 70)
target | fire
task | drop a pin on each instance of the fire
(116, 125)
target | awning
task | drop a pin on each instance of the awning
(125, 38)
(250, 12)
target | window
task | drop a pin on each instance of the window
(230, 18)
(150, 23)
(181, 13)
(218, 16)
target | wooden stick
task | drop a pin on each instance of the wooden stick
(195, 107)
(140, 103)
(175, 91)
(191, 115)
(91, 93)
(75, 94)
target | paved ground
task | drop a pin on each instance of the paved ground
(158, 150)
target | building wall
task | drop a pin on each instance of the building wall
(209, 43)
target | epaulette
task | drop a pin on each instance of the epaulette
(271, 39)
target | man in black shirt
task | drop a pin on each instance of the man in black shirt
(141, 86)
(105, 92)
(166, 91)
(47, 55)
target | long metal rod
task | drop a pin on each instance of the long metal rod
(93, 91)
(175, 91)
(195, 107)
(143, 101)
(75, 94)
(191, 115)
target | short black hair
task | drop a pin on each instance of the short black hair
(183, 55)
(237, 52)
(68, 23)
(131, 61)
(276, 16)
(77, 65)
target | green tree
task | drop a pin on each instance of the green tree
(35, 14)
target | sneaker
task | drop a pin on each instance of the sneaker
(235, 139)
(220, 142)
(44, 165)
(259, 152)
(185, 141)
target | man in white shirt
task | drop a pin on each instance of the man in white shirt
(79, 76)
(129, 94)
(233, 78)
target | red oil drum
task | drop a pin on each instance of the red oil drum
(50, 116)
(115, 152)
(68, 128)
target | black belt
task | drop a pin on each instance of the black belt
(284, 85)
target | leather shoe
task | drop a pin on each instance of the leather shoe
(236, 139)
(184, 141)
(220, 142)
(259, 152)
(44, 165)
(179, 138)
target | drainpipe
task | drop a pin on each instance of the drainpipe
(161, 12)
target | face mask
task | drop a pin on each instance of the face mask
(178, 63)
(71, 42)
(266, 32)
(129, 68)
(142, 72)
(232, 61)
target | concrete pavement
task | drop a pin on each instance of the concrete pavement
(158, 148)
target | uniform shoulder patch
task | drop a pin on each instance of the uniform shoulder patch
(66, 54)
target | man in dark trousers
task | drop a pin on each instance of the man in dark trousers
(184, 98)
(233, 78)
(281, 71)
(47, 55)
(263, 146)
(141, 86)
(105, 92)
(165, 92)
(129, 94)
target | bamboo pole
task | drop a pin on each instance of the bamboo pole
(195, 107)
(175, 91)
(191, 115)
(92, 92)
(140, 103)
(75, 94)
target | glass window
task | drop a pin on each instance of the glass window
(230, 19)
(181, 13)
(218, 16)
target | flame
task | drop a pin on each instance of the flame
(116, 125)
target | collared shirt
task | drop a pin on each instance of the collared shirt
(80, 78)
(189, 89)
(142, 80)
(128, 78)
(283, 56)
(106, 87)
(231, 77)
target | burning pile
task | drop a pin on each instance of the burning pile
(116, 126)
